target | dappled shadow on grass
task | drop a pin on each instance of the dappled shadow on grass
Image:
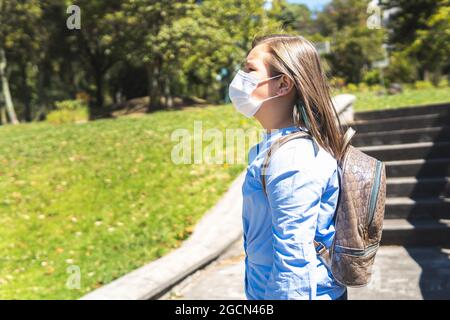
(140, 106)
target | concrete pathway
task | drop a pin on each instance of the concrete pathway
(222, 279)
(398, 273)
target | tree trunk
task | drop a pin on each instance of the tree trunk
(96, 109)
(3, 119)
(99, 89)
(5, 86)
(26, 96)
(426, 75)
(168, 94)
(154, 92)
(435, 77)
(43, 82)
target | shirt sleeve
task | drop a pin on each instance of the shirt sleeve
(294, 199)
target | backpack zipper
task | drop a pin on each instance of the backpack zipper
(357, 252)
(374, 193)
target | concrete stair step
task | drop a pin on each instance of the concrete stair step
(398, 123)
(417, 208)
(414, 144)
(433, 134)
(441, 108)
(413, 187)
(416, 232)
(418, 168)
(419, 150)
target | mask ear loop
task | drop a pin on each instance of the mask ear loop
(278, 75)
(276, 96)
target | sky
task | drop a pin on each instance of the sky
(315, 5)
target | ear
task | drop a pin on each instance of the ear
(285, 85)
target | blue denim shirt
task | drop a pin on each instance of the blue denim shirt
(302, 192)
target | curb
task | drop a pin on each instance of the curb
(220, 227)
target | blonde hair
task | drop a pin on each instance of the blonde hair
(297, 58)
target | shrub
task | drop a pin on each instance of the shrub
(372, 77)
(68, 111)
(402, 68)
(67, 116)
(363, 87)
(337, 82)
(443, 83)
(351, 87)
(376, 88)
(70, 105)
(423, 85)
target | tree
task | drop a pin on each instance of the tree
(294, 17)
(142, 22)
(433, 42)
(6, 92)
(18, 36)
(235, 32)
(406, 18)
(405, 21)
(185, 44)
(354, 47)
(339, 14)
(98, 43)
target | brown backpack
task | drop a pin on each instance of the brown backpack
(359, 213)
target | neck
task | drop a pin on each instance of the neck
(273, 126)
(271, 118)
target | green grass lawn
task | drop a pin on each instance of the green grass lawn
(409, 97)
(104, 196)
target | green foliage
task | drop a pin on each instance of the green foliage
(67, 116)
(363, 87)
(407, 18)
(337, 82)
(294, 17)
(354, 46)
(376, 88)
(433, 42)
(402, 68)
(443, 83)
(372, 77)
(420, 30)
(341, 14)
(68, 111)
(70, 105)
(351, 87)
(420, 85)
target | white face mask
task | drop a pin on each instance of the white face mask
(240, 93)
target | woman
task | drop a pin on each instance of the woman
(284, 87)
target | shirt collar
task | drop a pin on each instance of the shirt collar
(282, 132)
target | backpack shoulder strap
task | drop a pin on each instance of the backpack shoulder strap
(274, 147)
(347, 137)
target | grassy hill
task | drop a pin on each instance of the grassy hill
(103, 196)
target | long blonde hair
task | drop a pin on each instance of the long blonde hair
(297, 58)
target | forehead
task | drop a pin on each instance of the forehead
(257, 55)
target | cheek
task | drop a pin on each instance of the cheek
(264, 90)
(260, 92)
